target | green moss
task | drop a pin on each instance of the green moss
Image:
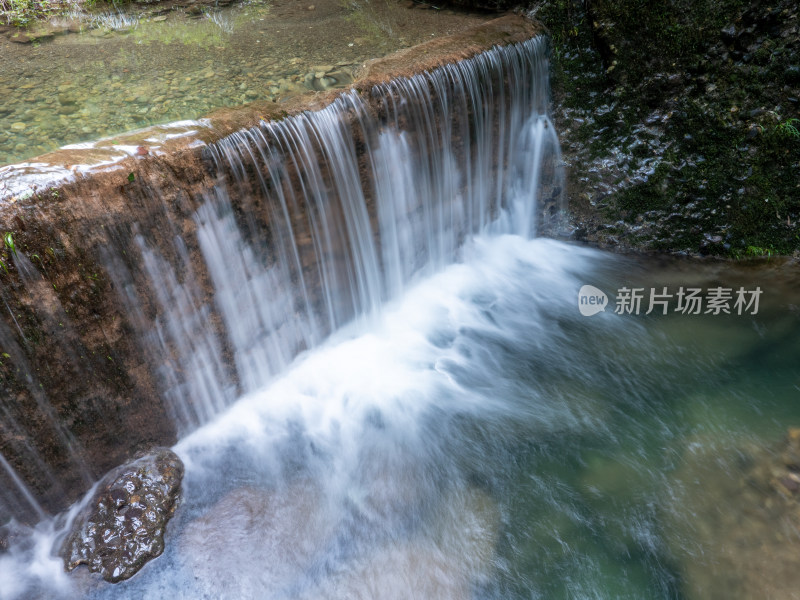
(727, 182)
(645, 197)
(645, 36)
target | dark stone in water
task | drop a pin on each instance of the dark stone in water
(123, 526)
(327, 80)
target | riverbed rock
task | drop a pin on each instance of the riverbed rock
(20, 38)
(734, 521)
(11, 533)
(406, 571)
(122, 527)
(276, 532)
(469, 530)
(456, 557)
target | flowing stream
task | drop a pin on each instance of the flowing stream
(432, 416)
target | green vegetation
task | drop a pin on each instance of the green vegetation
(716, 77)
(756, 251)
(788, 128)
(8, 245)
(23, 12)
(645, 36)
(753, 252)
(8, 240)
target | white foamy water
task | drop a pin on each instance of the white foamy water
(349, 474)
(478, 439)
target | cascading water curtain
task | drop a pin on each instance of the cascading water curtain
(320, 218)
(315, 221)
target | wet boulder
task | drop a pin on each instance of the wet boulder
(122, 526)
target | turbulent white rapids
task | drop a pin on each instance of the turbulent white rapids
(366, 470)
(363, 467)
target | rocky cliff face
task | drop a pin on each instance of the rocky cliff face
(679, 122)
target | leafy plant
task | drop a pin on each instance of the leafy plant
(22, 12)
(27, 194)
(757, 251)
(788, 128)
(38, 258)
(8, 239)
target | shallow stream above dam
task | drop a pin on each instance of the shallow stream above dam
(130, 68)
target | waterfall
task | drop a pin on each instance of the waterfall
(348, 205)
(311, 223)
